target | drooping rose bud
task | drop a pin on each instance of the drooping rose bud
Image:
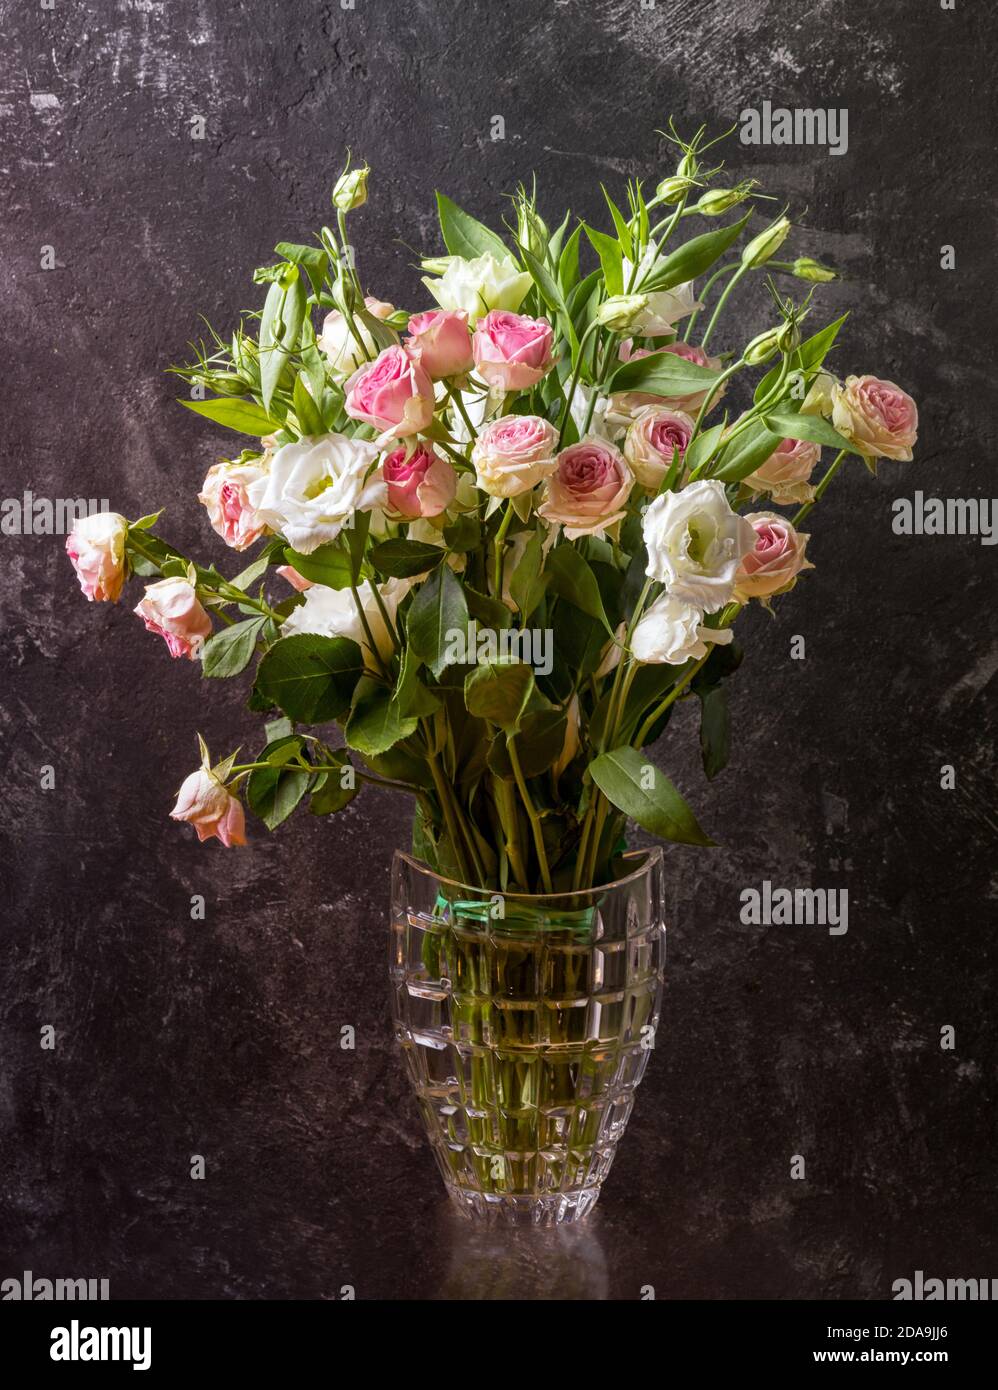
(778, 557)
(226, 499)
(172, 609)
(512, 352)
(392, 393)
(419, 482)
(210, 807)
(621, 311)
(96, 547)
(805, 268)
(443, 342)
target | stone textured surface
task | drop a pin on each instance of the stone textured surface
(221, 1038)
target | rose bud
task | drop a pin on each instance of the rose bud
(652, 441)
(512, 351)
(225, 497)
(587, 492)
(171, 608)
(96, 547)
(773, 565)
(419, 482)
(211, 808)
(877, 416)
(392, 393)
(513, 454)
(441, 339)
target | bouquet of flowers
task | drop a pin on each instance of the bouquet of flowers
(498, 539)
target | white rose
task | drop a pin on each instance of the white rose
(665, 307)
(696, 543)
(333, 613)
(480, 285)
(673, 631)
(314, 488)
(338, 344)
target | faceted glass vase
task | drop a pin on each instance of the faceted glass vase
(525, 1023)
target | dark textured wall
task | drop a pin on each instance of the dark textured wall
(221, 1037)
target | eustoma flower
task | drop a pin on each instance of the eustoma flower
(664, 308)
(588, 490)
(96, 547)
(393, 393)
(785, 474)
(652, 441)
(338, 341)
(172, 609)
(674, 631)
(210, 807)
(774, 562)
(877, 416)
(442, 341)
(418, 482)
(696, 543)
(512, 352)
(481, 284)
(333, 613)
(315, 487)
(513, 454)
(226, 498)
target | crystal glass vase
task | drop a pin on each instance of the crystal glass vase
(526, 1022)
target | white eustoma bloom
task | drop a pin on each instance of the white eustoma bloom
(696, 543)
(479, 285)
(315, 486)
(665, 307)
(333, 613)
(673, 631)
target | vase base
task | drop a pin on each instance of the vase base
(505, 1209)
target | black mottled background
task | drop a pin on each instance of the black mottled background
(221, 1037)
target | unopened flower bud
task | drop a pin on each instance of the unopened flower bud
(718, 200)
(763, 347)
(807, 269)
(671, 190)
(788, 337)
(621, 310)
(532, 231)
(350, 190)
(436, 265)
(764, 247)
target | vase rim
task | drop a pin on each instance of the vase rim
(649, 859)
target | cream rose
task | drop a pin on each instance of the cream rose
(315, 486)
(776, 559)
(513, 454)
(785, 474)
(225, 496)
(877, 416)
(695, 544)
(652, 441)
(338, 344)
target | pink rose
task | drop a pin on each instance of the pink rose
(785, 474)
(442, 342)
(626, 404)
(512, 351)
(96, 547)
(211, 809)
(877, 416)
(296, 580)
(172, 609)
(420, 482)
(392, 393)
(513, 454)
(773, 565)
(224, 495)
(587, 491)
(653, 439)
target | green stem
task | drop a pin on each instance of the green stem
(368, 633)
(499, 542)
(459, 406)
(708, 401)
(396, 643)
(566, 409)
(822, 487)
(443, 796)
(725, 294)
(717, 275)
(727, 618)
(535, 824)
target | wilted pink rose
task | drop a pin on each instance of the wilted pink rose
(224, 495)
(392, 393)
(442, 340)
(588, 489)
(211, 809)
(785, 474)
(172, 609)
(512, 351)
(773, 565)
(877, 416)
(652, 441)
(512, 454)
(96, 547)
(296, 580)
(420, 482)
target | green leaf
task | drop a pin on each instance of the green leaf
(620, 225)
(145, 522)
(611, 259)
(792, 425)
(329, 795)
(274, 792)
(375, 723)
(715, 730)
(245, 416)
(465, 236)
(313, 258)
(499, 692)
(807, 358)
(703, 446)
(411, 695)
(570, 577)
(639, 789)
(230, 651)
(356, 538)
(328, 564)
(490, 612)
(745, 453)
(692, 258)
(528, 583)
(438, 611)
(463, 534)
(540, 739)
(403, 559)
(662, 374)
(309, 415)
(310, 678)
(568, 262)
(280, 327)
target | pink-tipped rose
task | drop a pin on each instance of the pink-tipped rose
(419, 481)
(513, 454)
(211, 808)
(773, 565)
(785, 474)
(224, 494)
(296, 580)
(392, 393)
(512, 352)
(96, 547)
(588, 490)
(442, 340)
(171, 608)
(877, 416)
(652, 441)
